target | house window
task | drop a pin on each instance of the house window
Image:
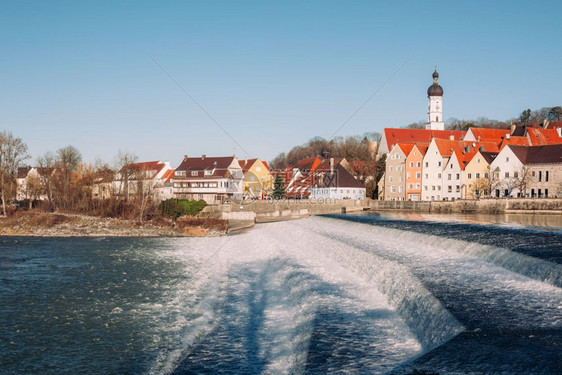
(400, 189)
(449, 189)
(426, 175)
(393, 188)
(533, 173)
(546, 193)
(258, 169)
(477, 175)
(545, 179)
(425, 187)
(439, 175)
(391, 179)
(411, 186)
(540, 176)
(515, 174)
(390, 169)
(507, 159)
(458, 176)
(439, 187)
(450, 166)
(506, 174)
(449, 176)
(486, 175)
(426, 164)
(408, 175)
(417, 186)
(208, 172)
(458, 189)
(194, 173)
(438, 163)
(477, 162)
(469, 176)
(419, 164)
(433, 187)
(412, 164)
(418, 174)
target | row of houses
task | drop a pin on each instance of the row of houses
(425, 164)
(215, 179)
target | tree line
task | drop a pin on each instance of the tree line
(359, 151)
(527, 117)
(64, 183)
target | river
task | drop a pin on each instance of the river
(367, 294)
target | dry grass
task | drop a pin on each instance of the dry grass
(35, 220)
(213, 224)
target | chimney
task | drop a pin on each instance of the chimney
(185, 157)
(508, 136)
(203, 157)
(331, 165)
(513, 127)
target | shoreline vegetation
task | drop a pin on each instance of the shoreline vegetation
(59, 224)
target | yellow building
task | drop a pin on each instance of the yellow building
(258, 181)
(476, 176)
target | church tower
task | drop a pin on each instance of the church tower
(435, 104)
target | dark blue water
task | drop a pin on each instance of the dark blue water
(343, 294)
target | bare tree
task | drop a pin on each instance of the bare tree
(67, 162)
(33, 188)
(481, 188)
(124, 165)
(520, 180)
(13, 152)
(45, 169)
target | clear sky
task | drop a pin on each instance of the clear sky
(272, 74)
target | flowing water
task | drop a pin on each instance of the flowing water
(340, 294)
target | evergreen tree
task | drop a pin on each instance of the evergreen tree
(278, 188)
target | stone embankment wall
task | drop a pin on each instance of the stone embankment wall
(263, 211)
(482, 206)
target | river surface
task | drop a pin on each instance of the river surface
(342, 294)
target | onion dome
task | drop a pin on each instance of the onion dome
(435, 89)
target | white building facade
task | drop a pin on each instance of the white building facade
(435, 105)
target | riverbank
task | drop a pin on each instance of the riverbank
(482, 206)
(44, 224)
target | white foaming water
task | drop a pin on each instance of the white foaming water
(525, 296)
(327, 295)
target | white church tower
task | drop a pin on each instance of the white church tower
(435, 104)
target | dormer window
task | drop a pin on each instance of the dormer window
(208, 172)
(194, 173)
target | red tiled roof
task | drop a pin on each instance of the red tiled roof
(199, 165)
(394, 136)
(145, 166)
(23, 172)
(309, 164)
(406, 148)
(516, 141)
(488, 133)
(539, 136)
(546, 154)
(246, 164)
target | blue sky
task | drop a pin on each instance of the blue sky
(273, 74)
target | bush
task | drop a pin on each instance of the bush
(175, 208)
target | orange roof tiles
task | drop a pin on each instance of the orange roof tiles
(394, 136)
(488, 133)
(406, 148)
(540, 137)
